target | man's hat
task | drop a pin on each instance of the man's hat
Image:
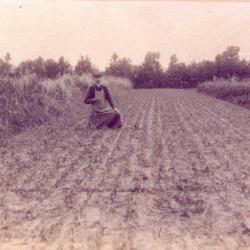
(97, 75)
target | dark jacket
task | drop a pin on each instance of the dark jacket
(91, 94)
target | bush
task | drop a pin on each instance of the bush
(231, 90)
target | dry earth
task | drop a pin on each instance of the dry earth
(175, 177)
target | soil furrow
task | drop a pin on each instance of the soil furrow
(176, 176)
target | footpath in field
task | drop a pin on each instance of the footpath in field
(175, 177)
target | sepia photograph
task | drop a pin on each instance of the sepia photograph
(124, 125)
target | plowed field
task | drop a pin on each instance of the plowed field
(175, 177)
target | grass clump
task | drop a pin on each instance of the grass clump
(114, 82)
(29, 101)
(237, 92)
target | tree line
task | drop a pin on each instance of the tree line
(150, 74)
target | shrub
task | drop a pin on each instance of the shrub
(235, 91)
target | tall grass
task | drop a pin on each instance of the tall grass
(237, 92)
(116, 82)
(29, 101)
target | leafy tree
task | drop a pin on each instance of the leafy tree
(243, 70)
(114, 58)
(150, 74)
(177, 74)
(173, 61)
(7, 58)
(84, 65)
(25, 67)
(200, 72)
(51, 68)
(43, 69)
(5, 65)
(228, 63)
(39, 67)
(64, 67)
(120, 67)
(36, 66)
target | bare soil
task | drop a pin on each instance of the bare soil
(175, 177)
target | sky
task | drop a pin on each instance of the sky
(192, 30)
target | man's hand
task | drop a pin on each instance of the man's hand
(93, 100)
(116, 110)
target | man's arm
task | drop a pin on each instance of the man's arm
(89, 96)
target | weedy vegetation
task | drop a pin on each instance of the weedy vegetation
(237, 92)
